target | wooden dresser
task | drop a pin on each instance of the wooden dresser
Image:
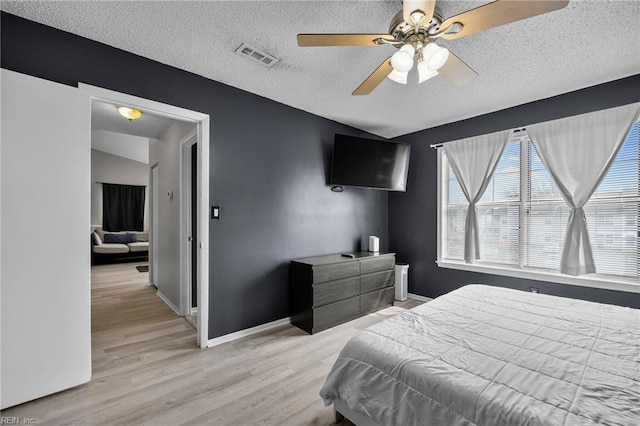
(328, 290)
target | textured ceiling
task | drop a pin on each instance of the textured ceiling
(586, 43)
(105, 116)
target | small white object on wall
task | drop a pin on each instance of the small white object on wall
(374, 243)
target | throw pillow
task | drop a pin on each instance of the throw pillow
(119, 238)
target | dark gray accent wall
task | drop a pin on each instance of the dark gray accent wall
(269, 169)
(413, 215)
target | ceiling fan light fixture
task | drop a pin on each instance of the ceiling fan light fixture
(439, 58)
(130, 113)
(421, 21)
(424, 72)
(398, 77)
(435, 56)
(402, 60)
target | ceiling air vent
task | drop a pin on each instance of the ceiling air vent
(256, 55)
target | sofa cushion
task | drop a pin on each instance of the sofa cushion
(139, 246)
(96, 239)
(120, 238)
(143, 236)
(111, 248)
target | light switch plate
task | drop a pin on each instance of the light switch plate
(215, 212)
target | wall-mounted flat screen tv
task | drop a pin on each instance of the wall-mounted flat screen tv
(369, 163)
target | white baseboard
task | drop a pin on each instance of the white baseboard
(194, 310)
(168, 302)
(418, 297)
(247, 332)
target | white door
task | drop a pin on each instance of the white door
(155, 212)
(45, 238)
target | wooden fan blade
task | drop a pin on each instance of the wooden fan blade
(426, 7)
(457, 72)
(375, 78)
(499, 13)
(306, 40)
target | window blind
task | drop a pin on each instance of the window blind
(546, 214)
(499, 211)
(613, 211)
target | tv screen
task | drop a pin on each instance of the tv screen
(369, 163)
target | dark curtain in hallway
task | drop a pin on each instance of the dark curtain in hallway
(122, 207)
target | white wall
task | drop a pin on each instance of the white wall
(46, 281)
(166, 153)
(110, 168)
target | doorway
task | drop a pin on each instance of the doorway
(202, 194)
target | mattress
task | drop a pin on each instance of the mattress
(484, 355)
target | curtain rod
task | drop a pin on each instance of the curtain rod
(127, 184)
(439, 145)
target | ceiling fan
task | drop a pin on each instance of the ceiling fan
(414, 31)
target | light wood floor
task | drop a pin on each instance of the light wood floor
(148, 370)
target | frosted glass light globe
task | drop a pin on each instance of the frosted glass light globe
(398, 77)
(402, 60)
(424, 72)
(435, 56)
(438, 59)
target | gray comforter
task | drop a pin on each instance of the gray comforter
(491, 356)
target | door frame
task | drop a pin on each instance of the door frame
(154, 192)
(202, 126)
(184, 146)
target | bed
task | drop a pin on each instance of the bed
(484, 355)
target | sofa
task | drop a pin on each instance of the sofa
(107, 247)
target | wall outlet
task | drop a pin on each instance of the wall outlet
(534, 289)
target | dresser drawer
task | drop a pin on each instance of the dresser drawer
(335, 271)
(376, 281)
(334, 291)
(376, 264)
(335, 313)
(375, 300)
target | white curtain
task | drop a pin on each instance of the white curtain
(578, 151)
(473, 161)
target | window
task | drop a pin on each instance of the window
(498, 212)
(523, 217)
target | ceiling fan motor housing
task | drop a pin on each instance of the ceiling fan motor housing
(404, 32)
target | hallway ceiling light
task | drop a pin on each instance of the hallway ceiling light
(130, 113)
